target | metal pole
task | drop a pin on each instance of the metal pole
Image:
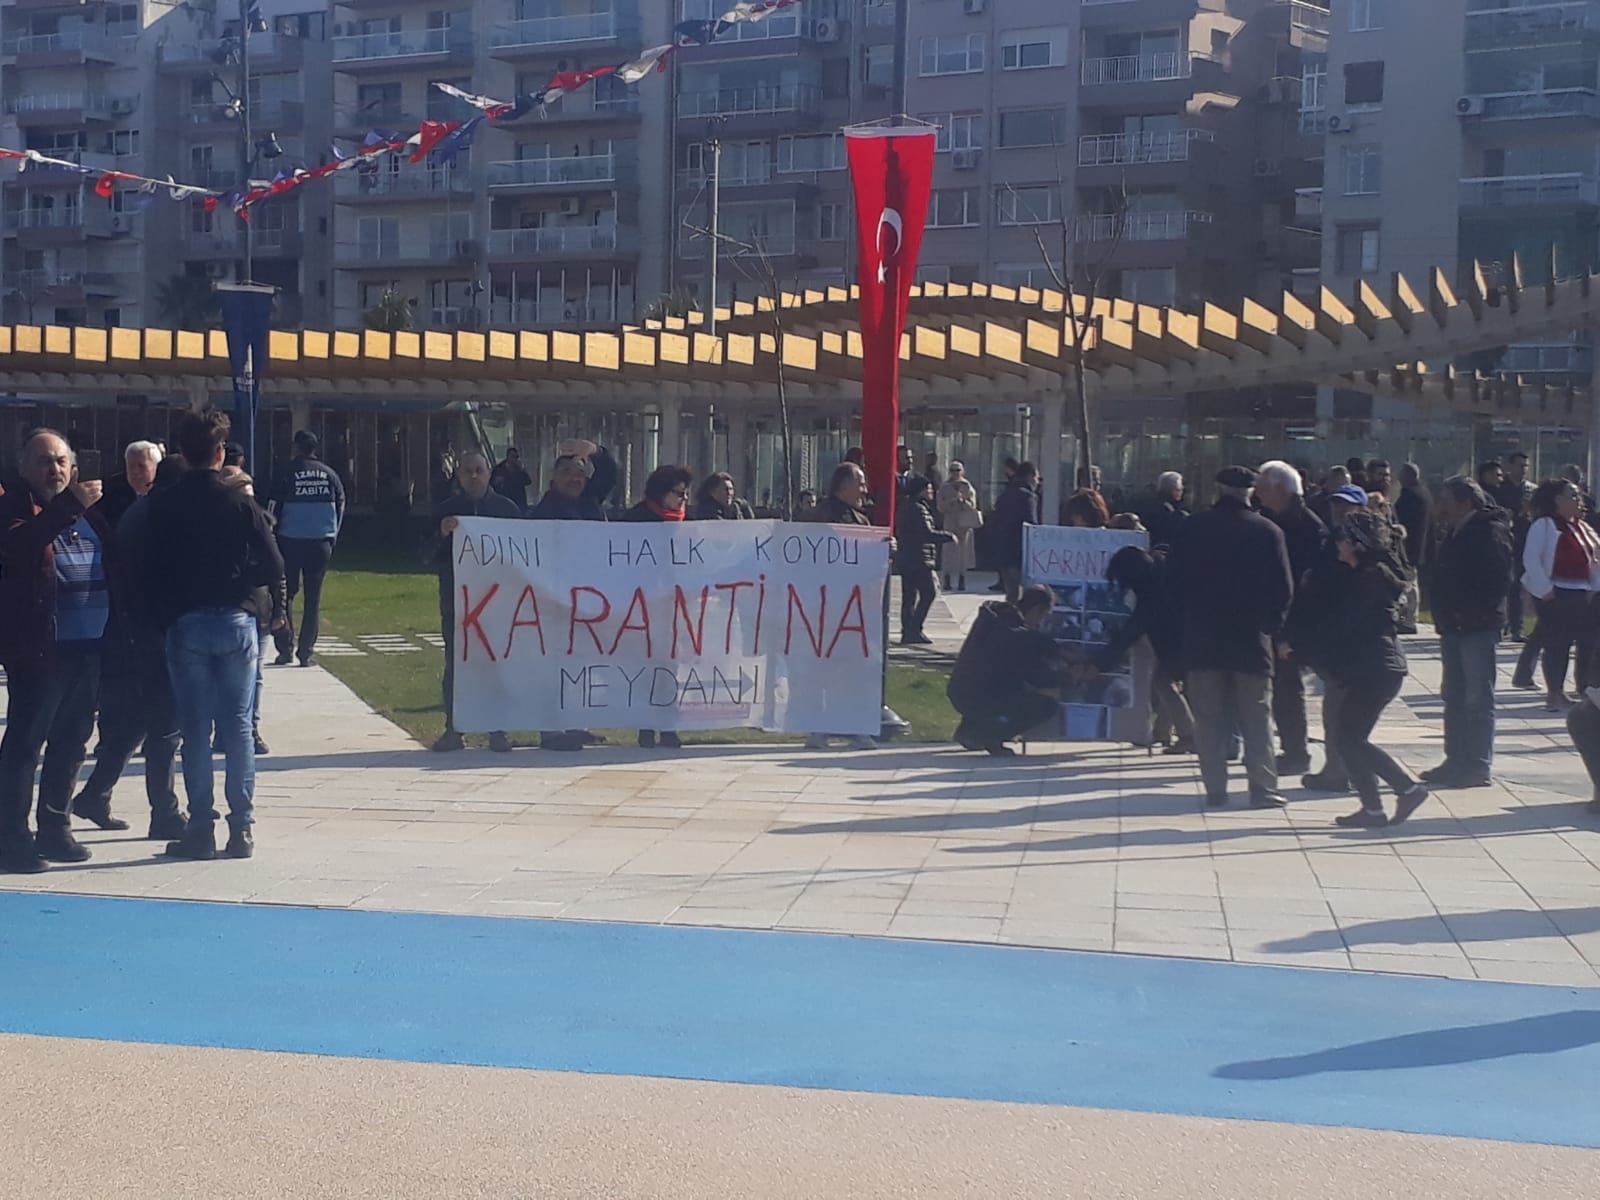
(714, 128)
(902, 35)
(244, 131)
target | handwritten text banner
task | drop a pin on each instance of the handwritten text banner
(701, 625)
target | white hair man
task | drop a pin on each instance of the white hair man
(139, 463)
(1280, 490)
(1167, 516)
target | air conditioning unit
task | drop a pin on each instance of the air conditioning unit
(973, 7)
(1340, 124)
(965, 160)
(825, 31)
(571, 206)
(1268, 166)
(122, 105)
(121, 223)
(1469, 106)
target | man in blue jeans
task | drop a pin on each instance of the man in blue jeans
(1471, 564)
(207, 548)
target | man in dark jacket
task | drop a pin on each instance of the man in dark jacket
(579, 486)
(1168, 514)
(1017, 506)
(473, 498)
(308, 504)
(140, 461)
(207, 548)
(136, 703)
(511, 479)
(916, 559)
(1305, 538)
(1231, 572)
(1004, 661)
(55, 614)
(1471, 564)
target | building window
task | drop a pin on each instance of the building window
(1367, 15)
(959, 54)
(1033, 127)
(877, 65)
(1027, 204)
(1363, 84)
(1026, 49)
(957, 131)
(833, 222)
(815, 152)
(1021, 275)
(1356, 250)
(1363, 169)
(124, 142)
(1155, 285)
(952, 208)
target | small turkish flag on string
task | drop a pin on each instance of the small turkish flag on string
(106, 184)
(430, 135)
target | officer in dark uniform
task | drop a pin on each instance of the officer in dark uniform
(308, 505)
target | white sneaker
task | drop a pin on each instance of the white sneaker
(816, 741)
(860, 742)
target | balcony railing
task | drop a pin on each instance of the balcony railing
(1308, 203)
(1552, 102)
(1137, 68)
(1140, 227)
(410, 43)
(431, 181)
(531, 172)
(96, 103)
(1309, 18)
(392, 250)
(778, 98)
(559, 239)
(1530, 191)
(1525, 23)
(748, 174)
(40, 279)
(777, 245)
(1536, 358)
(37, 173)
(1162, 146)
(554, 31)
(523, 314)
(97, 219)
(265, 48)
(56, 43)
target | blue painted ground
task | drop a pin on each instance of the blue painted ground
(867, 1014)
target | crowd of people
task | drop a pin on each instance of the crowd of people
(108, 614)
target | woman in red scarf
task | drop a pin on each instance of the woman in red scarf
(666, 498)
(1561, 571)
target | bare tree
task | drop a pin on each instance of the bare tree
(1080, 277)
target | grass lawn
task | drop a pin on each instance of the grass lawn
(372, 590)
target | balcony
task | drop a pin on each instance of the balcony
(62, 223)
(782, 98)
(268, 52)
(72, 48)
(1502, 192)
(1114, 149)
(1310, 18)
(1547, 358)
(558, 173)
(544, 35)
(283, 242)
(525, 314)
(1559, 107)
(773, 245)
(588, 105)
(1141, 227)
(408, 183)
(414, 47)
(1526, 23)
(280, 116)
(1136, 68)
(562, 241)
(1308, 204)
(52, 282)
(66, 108)
(216, 242)
(391, 252)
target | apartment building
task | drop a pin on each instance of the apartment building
(1463, 131)
(1151, 144)
(144, 87)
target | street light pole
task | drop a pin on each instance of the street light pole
(714, 140)
(245, 156)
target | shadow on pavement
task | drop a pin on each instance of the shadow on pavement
(1499, 925)
(1550, 1033)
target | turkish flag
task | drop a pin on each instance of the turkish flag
(891, 169)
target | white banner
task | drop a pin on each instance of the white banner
(699, 625)
(1110, 704)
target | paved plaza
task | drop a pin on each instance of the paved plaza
(927, 856)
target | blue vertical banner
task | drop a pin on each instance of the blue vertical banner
(246, 318)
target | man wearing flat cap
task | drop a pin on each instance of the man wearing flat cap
(1231, 572)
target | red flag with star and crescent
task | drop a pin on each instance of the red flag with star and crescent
(891, 171)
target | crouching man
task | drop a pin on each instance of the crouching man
(1003, 666)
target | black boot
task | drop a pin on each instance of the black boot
(199, 844)
(97, 814)
(55, 843)
(19, 856)
(167, 827)
(241, 843)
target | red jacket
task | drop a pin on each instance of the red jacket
(28, 574)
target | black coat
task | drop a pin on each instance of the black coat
(553, 506)
(1000, 657)
(1231, 575)
(917, 538)
(1342, 622)
(490, 504)
(1411, 510)
(831, 510)
(710, 510)
(643, 512)
(1017, 506)
(1471, 570)
(1305, 537)
(1156, 616)
(1165, 520)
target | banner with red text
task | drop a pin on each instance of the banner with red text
(891, 171)
(701, 625)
